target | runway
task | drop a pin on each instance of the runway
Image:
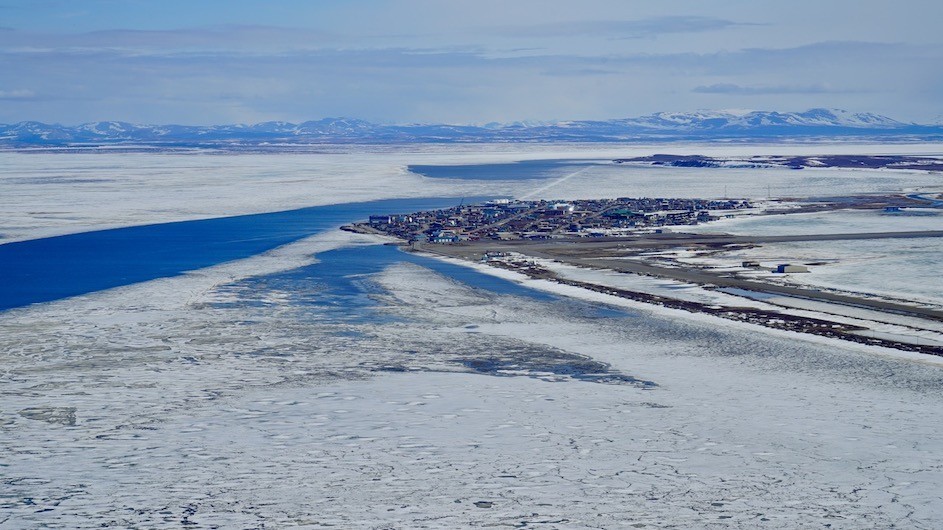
(617, 254)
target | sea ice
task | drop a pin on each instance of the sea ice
(204, 400)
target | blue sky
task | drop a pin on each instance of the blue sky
(238, 61)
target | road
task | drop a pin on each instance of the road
(647, 241)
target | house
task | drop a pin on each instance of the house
(444, 236)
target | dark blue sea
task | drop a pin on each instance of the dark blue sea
(42, 270)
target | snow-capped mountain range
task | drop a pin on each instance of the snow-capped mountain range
(703, 125)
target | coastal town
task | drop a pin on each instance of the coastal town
(506, 219)
(625, 235)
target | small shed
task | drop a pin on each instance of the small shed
(783, 268)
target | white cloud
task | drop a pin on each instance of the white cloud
(20, 93)
(762, 90)
(461, 62)
(629, 29)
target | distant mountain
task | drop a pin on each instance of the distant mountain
(726, 120)
(704, 125)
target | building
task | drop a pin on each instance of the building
(678, 217)
(444, 236)
(783, 268)
(562, 207)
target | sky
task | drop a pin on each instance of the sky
(458, 61)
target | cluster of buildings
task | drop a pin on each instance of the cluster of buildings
(542, 219)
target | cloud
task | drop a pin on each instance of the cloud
(21, 93)
(242, 38)
(128, 75)
(626, 29)
(763, 90)
(580, 72)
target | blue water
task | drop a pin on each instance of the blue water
(338, 286)
(48, 269)
(529, 169)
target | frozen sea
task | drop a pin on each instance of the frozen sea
(332, 381)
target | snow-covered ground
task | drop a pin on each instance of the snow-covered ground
(211, 399)
(895, 268)
(904, 328)
(830, 222)
(906, 269)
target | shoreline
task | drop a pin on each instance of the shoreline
(810, 328)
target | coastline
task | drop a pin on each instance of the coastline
(689, 310)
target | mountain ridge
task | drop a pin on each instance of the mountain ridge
(699, 125)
